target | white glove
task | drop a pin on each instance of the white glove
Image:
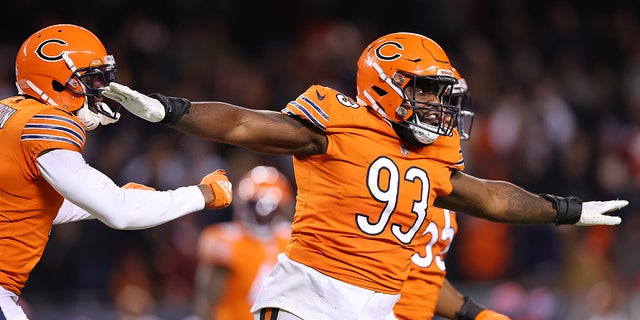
(593, 212)
(137, 103)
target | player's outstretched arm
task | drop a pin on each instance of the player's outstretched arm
(70, 212)
(505, 202)
(125, 208)
(263, 131)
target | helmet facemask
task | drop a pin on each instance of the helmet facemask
(89, 82)
(427, 120)
(461, 97)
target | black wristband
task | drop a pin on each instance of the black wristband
(569, 208)
(470, 309)
(174, 108)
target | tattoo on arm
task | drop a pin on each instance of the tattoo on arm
(498, 201)
(523, 206)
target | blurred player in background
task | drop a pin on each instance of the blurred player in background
(43, 175)
(234, 257)
(366, 171)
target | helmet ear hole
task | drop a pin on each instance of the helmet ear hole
(402, 112)
(57, 86)
(381, 92)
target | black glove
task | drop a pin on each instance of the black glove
(470, 309)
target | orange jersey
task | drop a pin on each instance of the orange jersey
(420, 292)
(28, 204)
(248, 260)
(360, 205)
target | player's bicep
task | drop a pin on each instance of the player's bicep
(259, 130)
(273, 132)
(469, 194)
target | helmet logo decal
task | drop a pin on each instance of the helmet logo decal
(43, 56)
(393, 56)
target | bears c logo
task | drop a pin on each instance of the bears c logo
(40, 50)
(392, 51)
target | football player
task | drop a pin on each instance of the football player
(43, 175)
(366, 171)
(427, 292)
(234, 257)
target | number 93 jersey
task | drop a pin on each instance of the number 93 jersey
(360, 205)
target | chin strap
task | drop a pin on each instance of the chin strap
(91, 120)
(421, 134)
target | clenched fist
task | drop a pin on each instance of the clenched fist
(220, 186)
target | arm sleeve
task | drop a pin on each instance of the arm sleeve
(69, 212)
(124, 209)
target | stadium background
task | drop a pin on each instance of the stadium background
(556, 86)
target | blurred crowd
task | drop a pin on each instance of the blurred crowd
(556, 90)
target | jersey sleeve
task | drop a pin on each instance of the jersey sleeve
(449, 151)
(458, 164)
(312, 106)
(119, 208)
(52, 129)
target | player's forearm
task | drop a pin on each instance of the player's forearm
(496, 201)
(449, 301)
(215, 121)
(510, 203)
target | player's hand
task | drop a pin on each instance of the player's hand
(491, 315)
(593, 212)
(572, 210)
(154, 107)
(137, 103)
(220, 186)
(133, 185)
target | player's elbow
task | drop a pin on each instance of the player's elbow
(118, 224)
(121, 221)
